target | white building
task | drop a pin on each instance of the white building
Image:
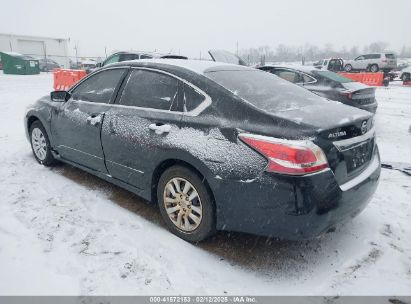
(38, 47)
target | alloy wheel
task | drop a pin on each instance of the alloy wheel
(183, 204)
(39, 144)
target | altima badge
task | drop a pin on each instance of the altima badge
(364, 127)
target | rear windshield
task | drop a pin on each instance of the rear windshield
(265, 90)
(390, 56)
(333, 76)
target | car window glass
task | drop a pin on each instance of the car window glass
(124, 57)
(288, 75)
(99, 87)
(307, 79)
(264, 91)
(360, 58)
(112, 59)
(192, 99)
(390, 56)
(145, 57)
(148, 89)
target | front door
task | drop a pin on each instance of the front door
(77, 123)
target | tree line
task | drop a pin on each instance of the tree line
(308, 52)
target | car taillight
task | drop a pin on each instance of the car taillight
(348, 95)
(295, 157)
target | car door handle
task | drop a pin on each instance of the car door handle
(95, 119)
(160, 128)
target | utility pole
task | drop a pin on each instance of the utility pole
(75, 48)
(237, 48)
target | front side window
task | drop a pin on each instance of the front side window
(112, 59)
(390, 56)
(360, 58)
(99, 87)
(153, 90)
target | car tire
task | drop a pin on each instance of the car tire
(40, 145)
(186, 204)
(348, 68)
(374, 68)
(405, 77)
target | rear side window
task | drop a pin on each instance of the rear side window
(153, 90)
(146, 57)
(99, 87)
(125, 57)
(390, 56)
(290, 76)
(192, 99)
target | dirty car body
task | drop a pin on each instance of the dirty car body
(207, 119)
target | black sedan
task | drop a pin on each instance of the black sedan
(217, 146)
(329, 85)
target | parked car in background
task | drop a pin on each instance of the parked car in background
(372, 62)
(74, 65)
(328, 84)
(166, 130)
(124, 56)
(88, 65)
(405, 74)
(330, 64)
(47, 65)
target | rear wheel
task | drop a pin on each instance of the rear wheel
(40, 144)
(348, 67)
(374, 68)
(186, 204)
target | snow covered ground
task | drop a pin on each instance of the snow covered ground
(63, 231)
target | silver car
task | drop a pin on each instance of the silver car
(372, 62)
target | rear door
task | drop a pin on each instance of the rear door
(139, 129)
(76, 125)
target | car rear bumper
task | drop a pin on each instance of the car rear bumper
(294, 208)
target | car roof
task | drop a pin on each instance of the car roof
(154, 54)
(197, 66)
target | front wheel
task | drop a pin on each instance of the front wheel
(40, 144)
(186, 204)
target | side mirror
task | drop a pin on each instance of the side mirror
(60, 96)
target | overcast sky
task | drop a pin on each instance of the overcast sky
(191, 27)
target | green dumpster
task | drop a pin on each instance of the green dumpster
(15, 63)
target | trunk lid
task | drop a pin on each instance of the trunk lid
(345, 134)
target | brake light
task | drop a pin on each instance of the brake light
(297, 157)
(348, 95)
